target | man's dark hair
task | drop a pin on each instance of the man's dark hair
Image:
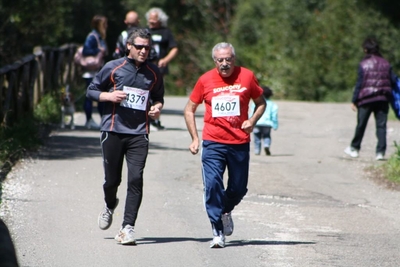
(138, 32)
(371, 46)
(267, 92)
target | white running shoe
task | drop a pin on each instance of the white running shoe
(352, 152)
(379, 156)
(125, 236)
(91, 124)
(106, 217)
(228, 223)
(218, 241)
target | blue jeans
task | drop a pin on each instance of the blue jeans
(261, 133)
(88, 104)
(380, 110)
(216, 157)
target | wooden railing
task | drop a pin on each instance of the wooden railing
(25, 82)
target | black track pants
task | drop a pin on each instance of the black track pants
(135, 149)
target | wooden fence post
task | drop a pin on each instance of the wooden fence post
(23, 84)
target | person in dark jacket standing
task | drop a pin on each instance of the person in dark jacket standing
(372, 94)
(163, 43)
(132, 22)
(127, 86)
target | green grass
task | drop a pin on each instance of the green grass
(16, 140)
(391, 168)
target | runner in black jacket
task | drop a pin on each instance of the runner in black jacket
(127, 86)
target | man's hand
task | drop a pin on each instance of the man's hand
(116, 96)
(154, 112)
(353, 107)
(162, 63)
(194, 147)
(247, 126)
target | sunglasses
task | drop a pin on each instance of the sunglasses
(227, 59)
(140, 47)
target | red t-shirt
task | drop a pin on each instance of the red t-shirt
(226, 103)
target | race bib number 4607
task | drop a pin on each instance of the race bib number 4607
(136, 98)
(225, 106)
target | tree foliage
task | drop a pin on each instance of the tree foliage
(304, 50)
(310, 52)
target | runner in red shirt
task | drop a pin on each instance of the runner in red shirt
(226, 92)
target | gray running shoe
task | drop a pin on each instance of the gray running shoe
(106, 217)
(125, 235)
(218, 241)
(228, 223)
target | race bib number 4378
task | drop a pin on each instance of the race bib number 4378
(136, 98)
(225, 106)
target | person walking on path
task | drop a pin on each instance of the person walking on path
(226, 92)
(163, 43)
(262, 130)
(127, 86)
(372, 94)
(94, 44)
(132, 22)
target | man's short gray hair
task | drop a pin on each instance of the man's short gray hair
(222, 45)
(162, 17)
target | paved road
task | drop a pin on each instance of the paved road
(308, 204)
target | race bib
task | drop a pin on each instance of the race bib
(136, 98)
(225, 106)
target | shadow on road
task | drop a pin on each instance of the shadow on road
(69, 147)
(266, 242)
(180, 113)
(159, 146)
(232, 243)
(72, 147)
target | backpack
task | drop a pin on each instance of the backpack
(395, 99)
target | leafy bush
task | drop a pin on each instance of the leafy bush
(27, 134)
(48, 110)
(310, 50)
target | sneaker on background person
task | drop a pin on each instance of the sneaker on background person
(267, 151)
(157, 124)
(106, 217)
(91, 124)
(125, 236)
(227, 222)
(352, 152)
(380, 156)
